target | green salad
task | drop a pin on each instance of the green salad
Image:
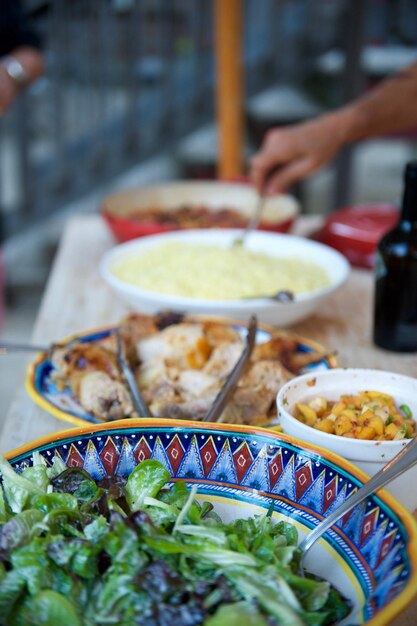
(131, 551)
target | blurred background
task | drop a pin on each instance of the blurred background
(128, 97)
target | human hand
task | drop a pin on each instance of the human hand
(291, 153)
(32, 63)
(8, 90)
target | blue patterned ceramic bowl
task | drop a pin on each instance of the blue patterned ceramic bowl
(370, 556)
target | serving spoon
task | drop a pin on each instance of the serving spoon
(256, 217)
(404, 460)
(253, 222)
(283, 295)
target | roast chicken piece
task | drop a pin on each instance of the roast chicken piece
(92, 372)
(74, 361)
(106, 398)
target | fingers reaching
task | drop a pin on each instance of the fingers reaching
(286, 176)
(278, 149)
(289, 154)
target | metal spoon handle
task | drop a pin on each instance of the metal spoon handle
(229, 386)
(406, 458)
(255, 219)
(253, 222)
(283, 295)
(7, 347)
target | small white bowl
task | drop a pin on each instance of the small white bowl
(370, 456)
(268, 311)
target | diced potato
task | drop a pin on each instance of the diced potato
(366, 415)
(342, 424)
(326, 426)
(391, 430)
(377, 395)
(350, 413)
(308, 413)
(366, 432)
(352, 401)
(339, 407)
(377, 424)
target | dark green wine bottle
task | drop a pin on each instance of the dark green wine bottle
(395, 304)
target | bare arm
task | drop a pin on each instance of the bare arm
(31, 60)
(301, 149)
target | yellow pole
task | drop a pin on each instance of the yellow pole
(229, 86)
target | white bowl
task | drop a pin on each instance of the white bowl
(268, 311)
(370, 456)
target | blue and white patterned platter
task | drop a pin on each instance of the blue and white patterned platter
(63, 404)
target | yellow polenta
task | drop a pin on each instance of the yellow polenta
(216, 273)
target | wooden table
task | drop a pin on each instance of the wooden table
(76, 298)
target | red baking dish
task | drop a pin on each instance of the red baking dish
(355, 231)
(122, 210)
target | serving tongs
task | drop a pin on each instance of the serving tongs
(137, 398)
(7, 347)
(232, 380)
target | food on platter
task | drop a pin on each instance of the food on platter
(366, 415)
(181, 205)
(180, 363)
(244, 303)
(137, 551)
(191, 216)
(95, 378)
(213, 272)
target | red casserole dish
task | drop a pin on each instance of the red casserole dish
(122, 210)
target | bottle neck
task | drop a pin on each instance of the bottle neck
(409, 204)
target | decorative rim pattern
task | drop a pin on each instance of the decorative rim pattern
(253, 464)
